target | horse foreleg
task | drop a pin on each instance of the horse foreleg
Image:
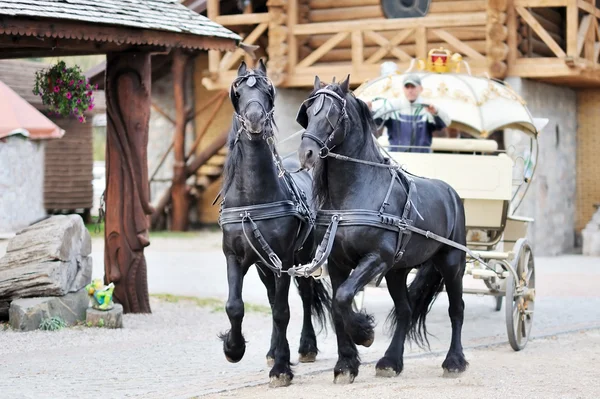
(346, 368)
(392, 363)
(358, 325)
(281, 373)
(234, 345)
(268, 279)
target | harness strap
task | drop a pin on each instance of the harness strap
(323, 251)
(277, 265)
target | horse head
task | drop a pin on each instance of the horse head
(253, 98)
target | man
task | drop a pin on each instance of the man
(411, 127)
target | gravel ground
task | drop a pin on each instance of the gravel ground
(175, 352)
(564, 366)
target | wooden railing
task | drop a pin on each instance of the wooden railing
(566, 50)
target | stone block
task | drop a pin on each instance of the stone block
(591, 236)
(26, 314)
(110, 318)
(49, 258)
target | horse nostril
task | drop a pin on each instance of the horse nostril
(309, 154)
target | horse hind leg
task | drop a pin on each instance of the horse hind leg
(452, 267)
(392, 363)
(268, 279)
(307, 350)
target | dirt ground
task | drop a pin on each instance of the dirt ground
(563, 366)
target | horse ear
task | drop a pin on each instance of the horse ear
(262, 67)
(345, 85)
(317, 82)
(242, 68)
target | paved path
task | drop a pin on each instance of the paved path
(175, 353)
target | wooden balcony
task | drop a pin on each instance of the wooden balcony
(557, 41)
(551, 40)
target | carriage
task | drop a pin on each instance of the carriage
(491, 176)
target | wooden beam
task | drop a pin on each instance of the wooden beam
(589, 40)
(572, 27)
(292, 21)
(432, 21)
(242, 19)
(535, 25)
(200, 134)
(128, 91)
(162, 112)
(320, 4)
(582, 32)
(511, 40)
(541, 3)
(179, 197)
(421, 44)
(462, 47)
(231, 58)
(357, 49)
(388, 46)
(318, 53)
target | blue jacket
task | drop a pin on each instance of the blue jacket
(412, 129)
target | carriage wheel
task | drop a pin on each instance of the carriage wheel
(498, 303)
(520, 297)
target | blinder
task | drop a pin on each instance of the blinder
(336, 117)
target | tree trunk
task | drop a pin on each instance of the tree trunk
(128, 80)
(179, 195)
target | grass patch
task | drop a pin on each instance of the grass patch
(98, 231)
(215, 304)
(52, 324)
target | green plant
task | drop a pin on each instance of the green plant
(52, 324)
(100, 323)
(65, 90)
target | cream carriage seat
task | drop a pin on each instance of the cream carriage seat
(484, 182)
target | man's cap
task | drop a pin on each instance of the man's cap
(412, 80)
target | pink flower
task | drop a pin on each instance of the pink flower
(75, 110)
(56, 89)
(88, 86)
(69, 95)
(71, 83)
(80, 81)
(79, 101)
(81, 119)
(91, 107)
(58, 81)
(89, 93)
(96, 86)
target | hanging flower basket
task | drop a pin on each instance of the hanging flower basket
(65, 90)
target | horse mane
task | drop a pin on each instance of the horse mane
(359, 119)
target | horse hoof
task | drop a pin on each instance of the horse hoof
(387, 372)
(310, 357)
(452, 373)
(270, 361)
(344, 378)
(369, 342)
(230, 360)
(283, 380)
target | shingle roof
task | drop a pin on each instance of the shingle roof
(20, 76)
(161, 15)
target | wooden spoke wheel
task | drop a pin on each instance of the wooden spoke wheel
(520, 296)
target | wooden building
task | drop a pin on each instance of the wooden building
(543, 46)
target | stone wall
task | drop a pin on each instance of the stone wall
(161, 131)
(21, 183)
(551, 196)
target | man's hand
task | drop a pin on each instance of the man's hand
(432, 110)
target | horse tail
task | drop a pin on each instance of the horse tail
(422, 293)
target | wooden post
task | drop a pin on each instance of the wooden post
(128, 80)
(179, 195)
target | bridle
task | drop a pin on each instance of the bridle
(251, 79)
(341, 122)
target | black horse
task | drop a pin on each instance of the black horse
(267, 221)
(376, 202)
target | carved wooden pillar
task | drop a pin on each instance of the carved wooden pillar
(278, 41)
(127, 193)
(179, 196)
